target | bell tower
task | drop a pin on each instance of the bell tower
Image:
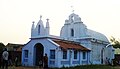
(39, 30)
(32, 29)
(73, 28)
(47, 27)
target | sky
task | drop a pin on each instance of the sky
(16, 17)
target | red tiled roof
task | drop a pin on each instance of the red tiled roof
(70, 45)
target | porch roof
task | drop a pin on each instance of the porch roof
(70, 45)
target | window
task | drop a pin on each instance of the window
(72, 18)
(72, 32)
(38, 29)
(52, 54)
(26, 53)
(75, 54)
(84, 55)
(64, 54)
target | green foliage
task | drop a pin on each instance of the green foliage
(1, 47)
(115, 42)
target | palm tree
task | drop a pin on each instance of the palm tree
(115, 43)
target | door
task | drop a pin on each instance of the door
(39, 50)
(102, 56)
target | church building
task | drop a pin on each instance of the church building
(76, 45)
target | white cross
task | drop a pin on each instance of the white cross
(72, 9)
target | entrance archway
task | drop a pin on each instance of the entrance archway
(39, 50)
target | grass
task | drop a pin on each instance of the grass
(91, 67)
(77, 67)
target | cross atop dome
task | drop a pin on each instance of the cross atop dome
(72, 9)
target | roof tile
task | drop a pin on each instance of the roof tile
(70, 45)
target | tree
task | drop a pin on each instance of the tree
(115, 43)
(1, 46)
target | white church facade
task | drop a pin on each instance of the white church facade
(76, 45)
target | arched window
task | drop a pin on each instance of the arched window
(38, 29)
(72, 18)
(72, 32)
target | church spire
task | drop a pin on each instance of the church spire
(33, 24)
(40, 17)
(32, 29)
(47, 23)
(47, 27)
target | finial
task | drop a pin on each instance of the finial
(72, 9)
(40, 17)
(47, 19)
(33, 22)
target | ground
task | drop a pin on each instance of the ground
(20, 67)
(77, 67)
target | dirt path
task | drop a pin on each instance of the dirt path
(13, 67)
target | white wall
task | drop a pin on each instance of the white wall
(30, 47)
(70, 61)
(96, 53)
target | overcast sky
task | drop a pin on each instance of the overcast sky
(16, 17)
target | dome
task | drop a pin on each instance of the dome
(97, 35)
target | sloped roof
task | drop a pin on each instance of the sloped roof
(97, 35)
(12, 44)
(17, 47)
(70, 45)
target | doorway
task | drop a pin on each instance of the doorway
(39, 50)
(102, 56)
